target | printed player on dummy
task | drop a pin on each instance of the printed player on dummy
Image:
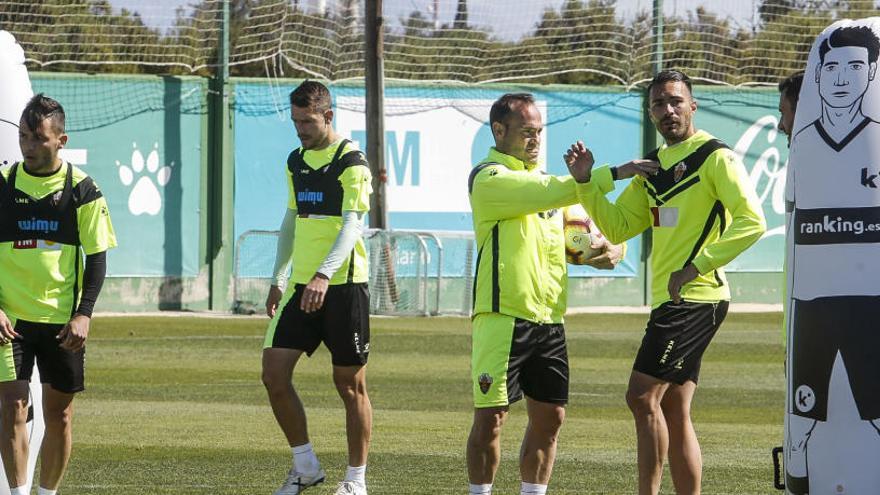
(832, 270)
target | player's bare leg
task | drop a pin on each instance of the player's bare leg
(278, 365)
(13, 435)
(484, 444)
(643, 398)
(685, 459)
(55, 452)
(538, 451)
(351, 383)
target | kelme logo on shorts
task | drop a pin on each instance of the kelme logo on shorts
(485, 382)
(665, 357)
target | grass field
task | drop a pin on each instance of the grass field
(175, 405)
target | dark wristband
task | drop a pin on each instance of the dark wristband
(613, 173)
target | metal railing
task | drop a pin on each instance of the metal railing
(412, 272)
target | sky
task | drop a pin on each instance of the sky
(508, 23)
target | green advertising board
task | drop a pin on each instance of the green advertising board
(140, 138)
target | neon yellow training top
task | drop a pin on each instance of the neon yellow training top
(705, 213)
(45, 224)
(322, 184)
(521, 270)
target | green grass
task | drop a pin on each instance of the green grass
(175, 405)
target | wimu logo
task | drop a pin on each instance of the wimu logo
(310, 196)
(35, 225)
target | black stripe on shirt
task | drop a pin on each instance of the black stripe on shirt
(496, 284)
(85, 192)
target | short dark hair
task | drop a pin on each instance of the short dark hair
(666, 76)
(504, 105)
(311, 94)
(790, 87)
(851, 36)
(40, 108)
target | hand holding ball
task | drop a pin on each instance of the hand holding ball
(582, 237)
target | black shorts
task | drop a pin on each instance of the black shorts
(676, 338)
(538, 363)
(821, 328)
(60, 368)
(512, 357)
(342, 323)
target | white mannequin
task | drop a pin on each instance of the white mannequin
(15, 86)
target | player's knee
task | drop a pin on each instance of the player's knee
(13, 410)
(487, 426)
(58, 419)
(351, 390)
(641, 403)
(556, 418)
(676, 413)
(549, 424)
(275, 383)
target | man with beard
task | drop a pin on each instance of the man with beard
(789, 92)
(55, 231)
(703, 212)
(327, 300)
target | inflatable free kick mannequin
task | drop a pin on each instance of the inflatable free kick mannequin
(15, 86)
(832, 422)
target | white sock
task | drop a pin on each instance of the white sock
(357, 474)
(304, 459)
(19, 490)
(480, 489)
(533, 489)
(46, 491)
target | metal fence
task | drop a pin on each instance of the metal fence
(412, 272)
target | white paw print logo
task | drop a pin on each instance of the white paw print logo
(144, 196)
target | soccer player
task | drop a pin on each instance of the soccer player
(789, 92)
(519, 297)
(703, 212)
(50, 214)
(327, 300)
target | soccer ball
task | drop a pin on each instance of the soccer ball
(580, 235)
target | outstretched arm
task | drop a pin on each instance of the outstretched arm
(626, 217)
(500, 193)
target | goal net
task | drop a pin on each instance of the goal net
(604, 42)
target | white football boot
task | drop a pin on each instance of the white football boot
(351, 488)
(296, 482)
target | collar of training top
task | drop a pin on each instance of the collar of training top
(510, 162)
